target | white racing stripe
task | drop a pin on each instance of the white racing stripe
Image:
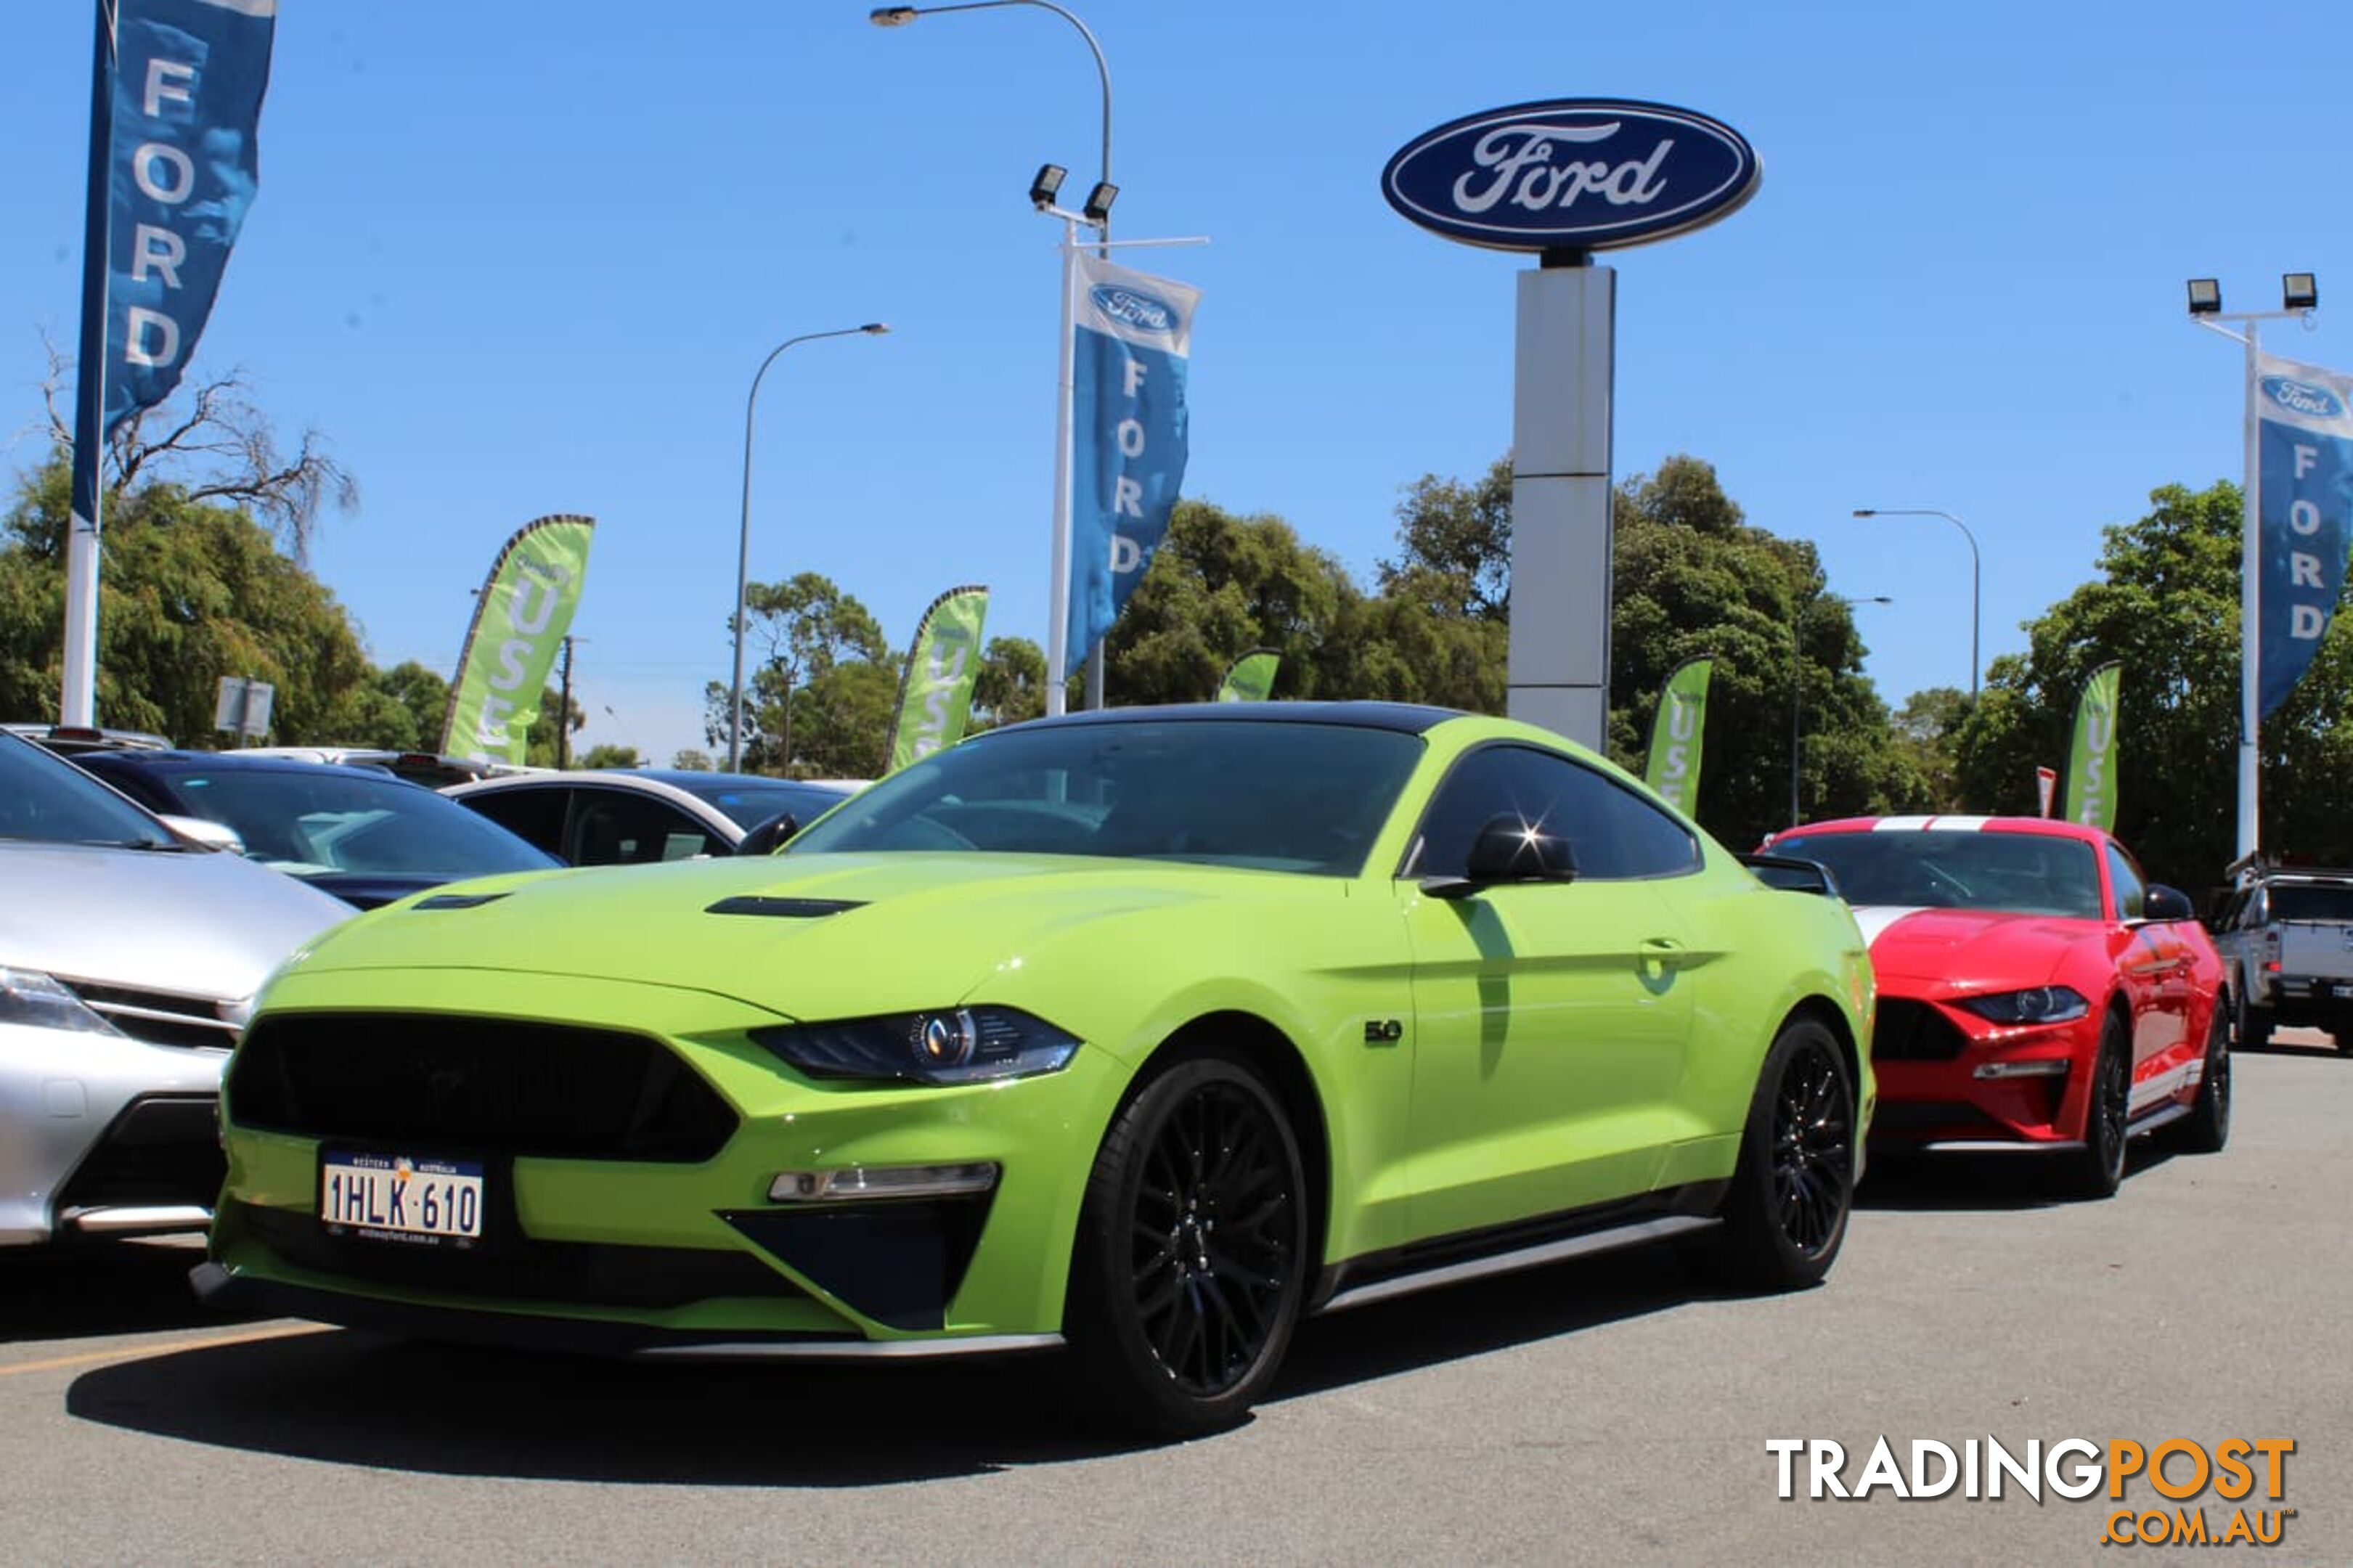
(1876, 918)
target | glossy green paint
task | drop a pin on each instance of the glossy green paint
(1558, 1045)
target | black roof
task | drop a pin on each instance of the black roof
(1406, 718)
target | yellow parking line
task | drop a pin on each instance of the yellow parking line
(128, 1353)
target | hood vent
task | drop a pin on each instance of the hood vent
(783, 909)
(457, 901)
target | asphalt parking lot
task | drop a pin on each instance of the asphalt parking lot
(1610, 1410)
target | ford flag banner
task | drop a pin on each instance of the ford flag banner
(1134, 337)
(1674, 768)
(935, 694)
(2092, 761)
(2303, 498)
(518, 624)
(187, 98)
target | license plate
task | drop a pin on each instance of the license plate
(395, 1198)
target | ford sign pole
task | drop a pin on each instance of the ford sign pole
(1564, 179)
(77, 694)
(1058, 595)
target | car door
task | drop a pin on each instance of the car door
(2157, 970)
(532, 812)
(623, 827)
(1551, 1020)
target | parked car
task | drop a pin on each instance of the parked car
(2035, 991)
(128, 961)
(364, 835)
(628, 816)
(2285, 934)
(436, 770)
(1144, 1032)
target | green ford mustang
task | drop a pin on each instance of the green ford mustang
(1143, 1033)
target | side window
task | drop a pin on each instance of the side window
(1616, 834)
(2132, 894)
(536, 815)
(613, 828)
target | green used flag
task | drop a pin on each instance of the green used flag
(525, 608)
(1252, 680)
(1674, 768)
(935, 694)
(2092, 761)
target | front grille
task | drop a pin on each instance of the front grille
(158, 1017)
(1934, 1118)
(164, 1148)
(578, 1273)
(1910, 1031)
(427, 1083)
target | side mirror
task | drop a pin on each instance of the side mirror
(770, 837)
(2162, 903)
(1509, 849)
(205, 833)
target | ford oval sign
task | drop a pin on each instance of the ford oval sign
(1579, 173)
(1131, 308)
(2303, 397)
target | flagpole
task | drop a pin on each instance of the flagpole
(77, 696)
(1058, 596)
(2251, 637)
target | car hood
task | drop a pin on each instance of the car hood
(191, 922)
(1965, 950)
(816, 935)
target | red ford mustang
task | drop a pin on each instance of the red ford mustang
(2035, 991)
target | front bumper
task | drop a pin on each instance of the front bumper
(631, 1254)
(1949, 1079)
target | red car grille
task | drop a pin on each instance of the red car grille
(1911, 1031)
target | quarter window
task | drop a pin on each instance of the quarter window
(1615, 835)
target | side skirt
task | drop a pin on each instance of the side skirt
(1451, 1260)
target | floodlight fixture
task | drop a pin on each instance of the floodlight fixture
(1098, 208)
(2299, 291)
(1046, 185)
(2205, 297)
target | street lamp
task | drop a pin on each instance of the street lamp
(744, 533)
(1796, 680)
(1097, 215)
(2299, 296)
(1976, 622)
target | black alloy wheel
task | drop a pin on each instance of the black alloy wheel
(1192, 1257)
(2099, 1166)
(2207, 1126)
(1785, 1216)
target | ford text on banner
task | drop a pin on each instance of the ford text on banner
(943, 663)
(2091, 760)
(518, 624)
(1675, 735)
(1134, 337)
(187, 100)
(1251, 679)
(2304, 499)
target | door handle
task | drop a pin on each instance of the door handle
(1662, 952)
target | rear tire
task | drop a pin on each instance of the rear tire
(2207, 1126)
(2254, 1024)
(1191, 1263)
(2098, 1169)
(1793, 1188)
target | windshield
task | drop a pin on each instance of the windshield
(330, 818)
(2023, 873)
(749, 803)
(49, 801)
(1272, 794)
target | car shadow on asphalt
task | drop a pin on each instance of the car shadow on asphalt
(348, 1397)
(94, 1288)
(1988, 1183)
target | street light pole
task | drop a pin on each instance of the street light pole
(1976, 621)
(900, 16)
(1796, 680)
(743, 531)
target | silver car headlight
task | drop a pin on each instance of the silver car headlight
(38, 1001)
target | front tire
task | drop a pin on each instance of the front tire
(2207, 1126)
(1192, 1262)
(1793, 1188)
(2099, 1167)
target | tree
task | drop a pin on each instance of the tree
(1455, 546)
(189, 591)
(611, 756)
(1010, 685)
(691, 760)
(2165, 605)
(539, 748)
(1927, 730)
(805, 627)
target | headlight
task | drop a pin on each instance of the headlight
(956, 1045)
(37, 1001)
(2036, 1005)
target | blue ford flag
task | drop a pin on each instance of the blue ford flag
(1134, 337)
(2303, 504)
(187, 96)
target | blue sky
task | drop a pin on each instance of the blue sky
(518, 259)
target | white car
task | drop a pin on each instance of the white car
(627, 817)
(129, 956)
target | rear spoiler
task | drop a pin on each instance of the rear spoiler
(1790, 875)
